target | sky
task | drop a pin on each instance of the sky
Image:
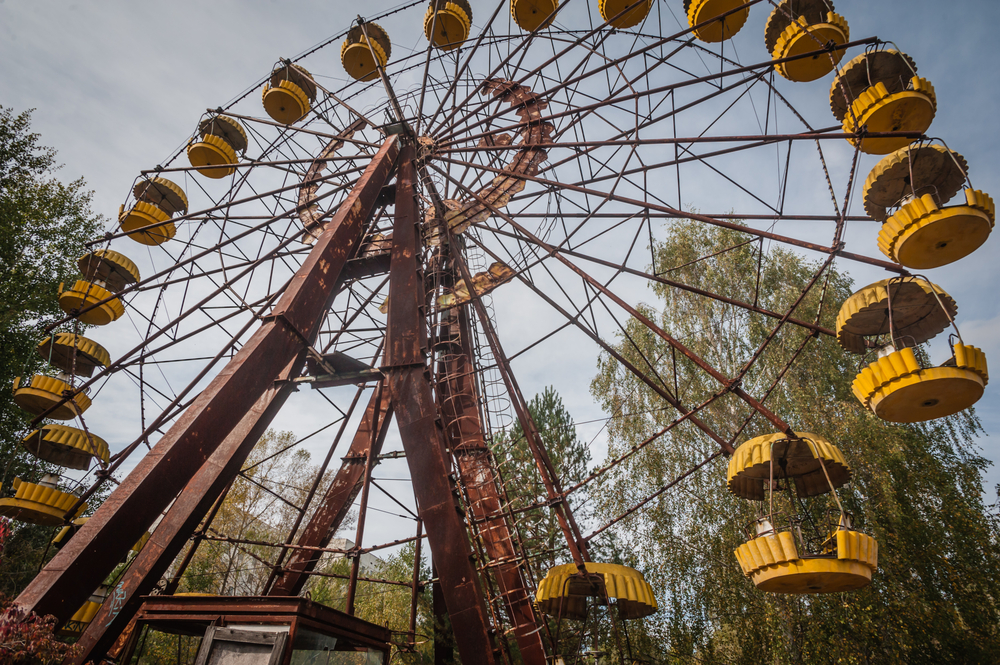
(117, 86)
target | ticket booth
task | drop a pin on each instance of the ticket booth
(220, 630)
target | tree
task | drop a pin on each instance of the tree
(260, 507)
(570, 457)
(915, 488)
(43, 226)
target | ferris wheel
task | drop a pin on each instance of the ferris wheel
(344, 234)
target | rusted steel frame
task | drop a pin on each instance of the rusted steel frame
(669, 210)
(199, 535)
(781, 322)
(465, 65)
(298, 130)
(202, 491)
(352, 586)
(639, 374)
(693, 357)
(729, 215)
(581, 40)
(168, 412)
(464, 435)
(228, 204)
(122, 362)
(78, 568)
(416, 587)
(550, 479)
(774, 384)
(765, 139)
(361, 307)
(503, 62)
(336, 503)
(420, 432)
(321, 550)
(261, 162)
(643, 93)
(652, 496)
(679, 285)
(312, 492)
(389, 495)
(697, 157)
(361, 578)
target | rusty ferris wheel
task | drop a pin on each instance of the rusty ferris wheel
(352, 238)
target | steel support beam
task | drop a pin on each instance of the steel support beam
(464, 436)
(181, 519)
(338, 499)
(421, 434)
(80, 567)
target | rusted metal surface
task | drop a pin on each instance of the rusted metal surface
(183, 517)
(421, 434)
(227, 610)
(79, 567)
(338, 498)
(464, 437)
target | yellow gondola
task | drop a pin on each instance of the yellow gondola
(920, 310)
(786, 558)
(564, 590)
(108, 268)
(73, 354)
(702, 11)
(148, 221)
(289, 94)
(922, 234)
(66, 446)
(356, 54)
(223, 141)
(610, 9)
(39, 503)
(450, 21)
(90, 303)
(915, 169)
(750, 466)
(881, 92)
(531, 15)
(39, 393)
(898, 389)
(774, 564)
(796, 27)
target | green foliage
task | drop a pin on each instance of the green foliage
(383, 604)
(256, 508)
(915, 488)
(43, 225)
(570, 457)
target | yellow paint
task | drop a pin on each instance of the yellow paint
(85, 294)
(531, 15)
(41, 393)
(633, 17)
(563, 586)
(286, 103)
(921, 235)
(800, 37)
(38, 504)
(700, 11)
